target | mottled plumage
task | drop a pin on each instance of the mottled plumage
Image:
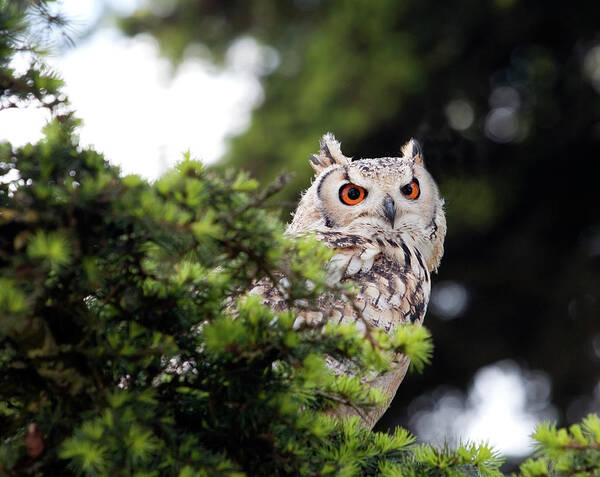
(385, 219)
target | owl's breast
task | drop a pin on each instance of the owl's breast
(393, 278)
(391, 294)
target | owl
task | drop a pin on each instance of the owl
(385, 220)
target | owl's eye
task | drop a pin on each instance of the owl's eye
(411, 190)
(351, 194)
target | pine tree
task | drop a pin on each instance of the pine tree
(376, 73)
(129, 344)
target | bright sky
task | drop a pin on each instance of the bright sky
(142, 119)
(134, 111)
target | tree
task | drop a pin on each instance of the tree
(504, 97)
(130, 346)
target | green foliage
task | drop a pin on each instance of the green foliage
(452, 74)
(565, 452)
(130, 344)
(37, 85)
(129, 338)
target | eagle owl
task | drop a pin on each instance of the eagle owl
(385, 219)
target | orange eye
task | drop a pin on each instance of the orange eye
(351, 194)
(411, 190)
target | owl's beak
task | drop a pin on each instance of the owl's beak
(389, 209)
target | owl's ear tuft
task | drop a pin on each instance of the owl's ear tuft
(329, 154)
(412, 150)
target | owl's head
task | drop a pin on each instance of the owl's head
(390, 195)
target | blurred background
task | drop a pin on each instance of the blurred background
(504, 96)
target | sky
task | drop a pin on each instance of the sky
(135, 109)
(143, 117)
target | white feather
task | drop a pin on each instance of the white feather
(367, 264)
(337, 267)
(354, 266)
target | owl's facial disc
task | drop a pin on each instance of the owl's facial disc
(390, 195)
